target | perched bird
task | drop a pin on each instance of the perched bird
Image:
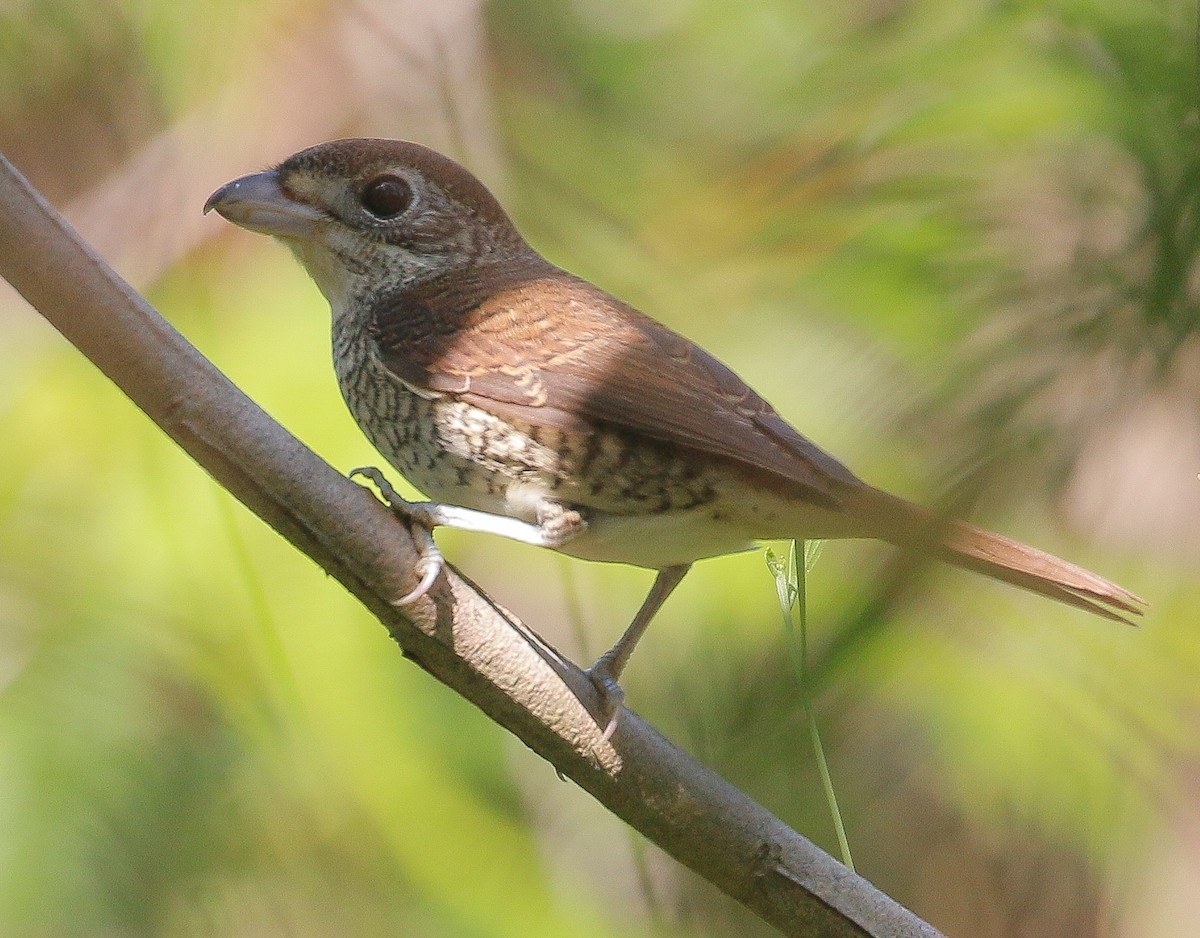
(529, 403)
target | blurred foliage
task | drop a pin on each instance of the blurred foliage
(955, 243)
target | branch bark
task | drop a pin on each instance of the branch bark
(456, 634)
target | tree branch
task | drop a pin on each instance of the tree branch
(456, 634)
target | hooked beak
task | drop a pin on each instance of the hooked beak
(257, 202)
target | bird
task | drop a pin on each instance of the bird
(527, 402)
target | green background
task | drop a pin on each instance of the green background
(953, 242)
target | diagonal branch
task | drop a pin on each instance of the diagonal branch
(456, 634)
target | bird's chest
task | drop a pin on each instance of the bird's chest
(444, 446)
(456, 452)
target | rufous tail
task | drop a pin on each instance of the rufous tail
(1002, 558)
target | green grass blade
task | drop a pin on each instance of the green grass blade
(791, 584)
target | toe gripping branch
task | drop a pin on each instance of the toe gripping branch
(421, 521)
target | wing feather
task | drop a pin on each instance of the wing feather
(531, 342)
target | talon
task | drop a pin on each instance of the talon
(611, 728)
(421, 523)
(433, 566)
(612, 696)
(430, 560)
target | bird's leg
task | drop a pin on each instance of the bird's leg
(606, 672)
(556, 525)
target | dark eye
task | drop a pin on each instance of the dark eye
(387, 196)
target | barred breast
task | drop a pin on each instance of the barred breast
(456, 452)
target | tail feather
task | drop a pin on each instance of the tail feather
(1011, 561)
(1005, 559)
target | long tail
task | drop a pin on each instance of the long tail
(1002, 558)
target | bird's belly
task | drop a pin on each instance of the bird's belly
(657, 540)
(645, 504)
(735, 519)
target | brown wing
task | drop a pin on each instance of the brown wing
(533, 343)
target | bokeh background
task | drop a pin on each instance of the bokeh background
(954, 241)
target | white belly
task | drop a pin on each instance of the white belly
(659, 540)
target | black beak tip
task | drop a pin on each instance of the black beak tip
(217, 198)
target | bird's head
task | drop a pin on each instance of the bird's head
(366, 216)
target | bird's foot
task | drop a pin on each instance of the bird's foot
(422, 519)
(559, 524)
(612, 696)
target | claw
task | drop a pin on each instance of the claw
(611, 727)
(433, 566)
(612, 696)
(430, 560)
